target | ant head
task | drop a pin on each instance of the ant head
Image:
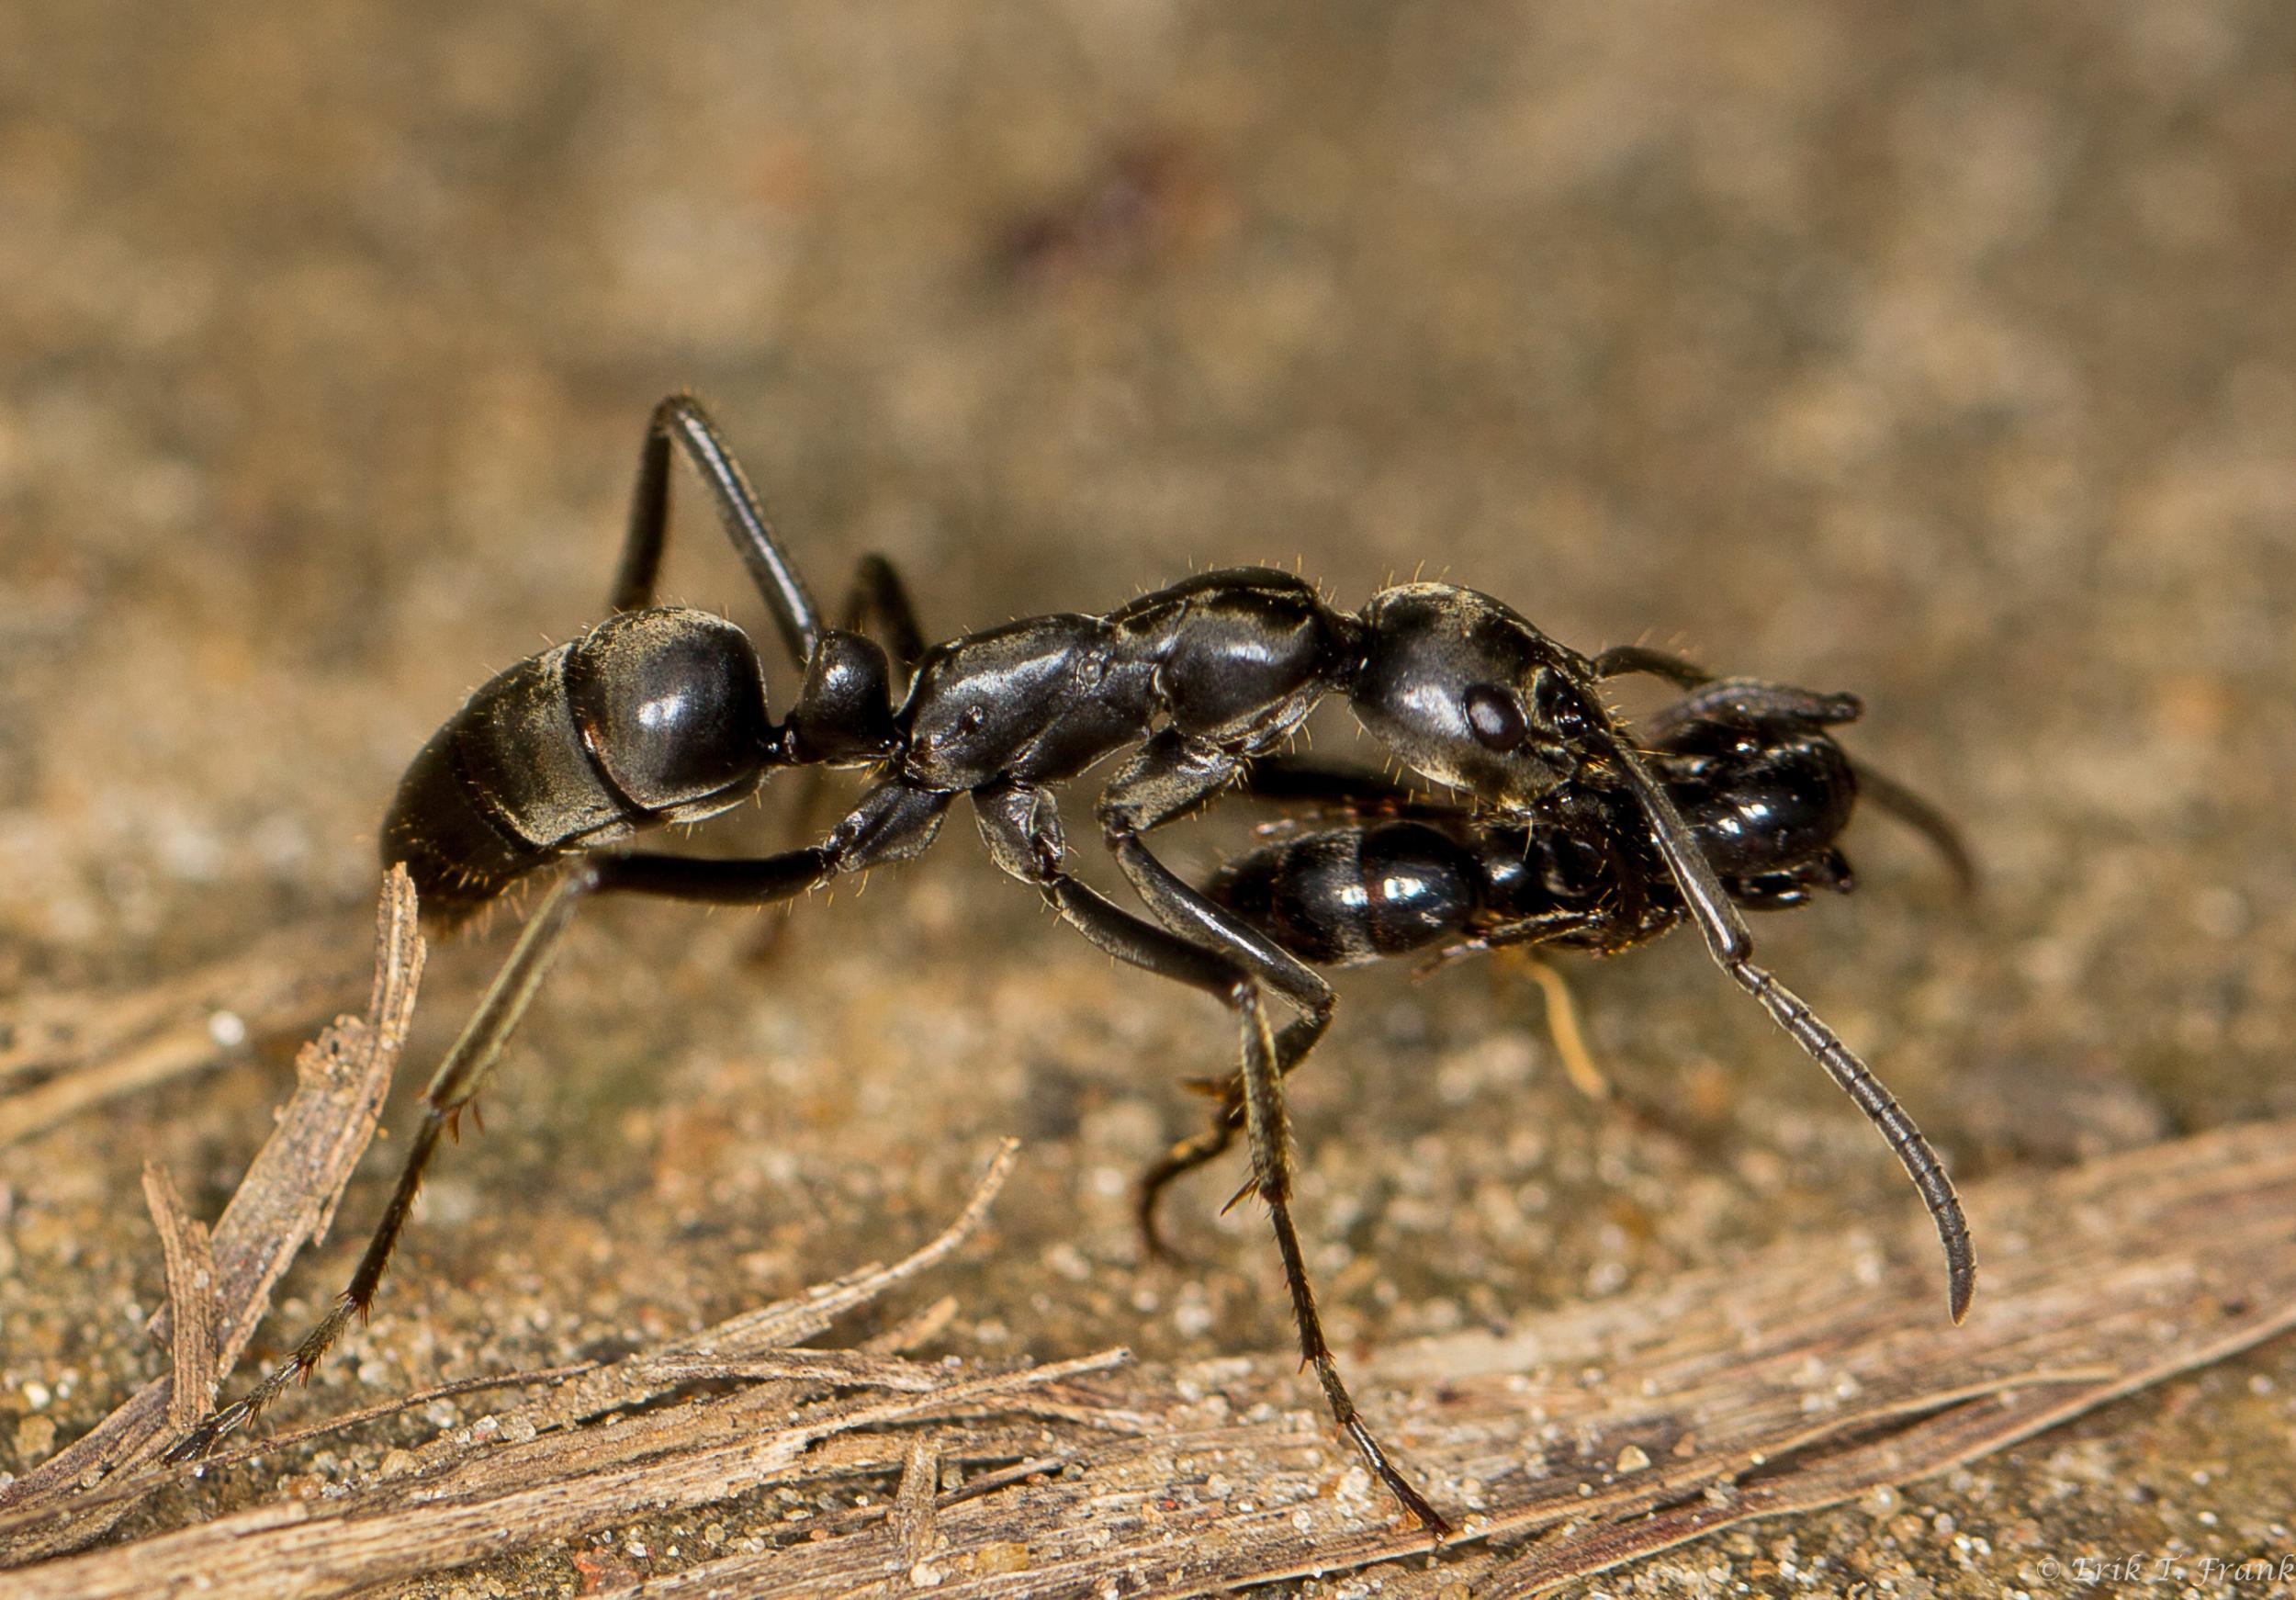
(1763, 794)
(1469, 693)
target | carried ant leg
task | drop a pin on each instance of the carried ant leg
(891, 824)
(1289, 780)
(1562, 1024)
(1183, 1158)
(1921, 817)
(1749, 700)
(680, 419)
(1507, 939)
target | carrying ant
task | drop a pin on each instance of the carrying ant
(658, 715)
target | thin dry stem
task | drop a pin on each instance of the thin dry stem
(1612, 1429)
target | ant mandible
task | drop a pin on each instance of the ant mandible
(658, 715)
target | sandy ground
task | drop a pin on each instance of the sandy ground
(1944, 353)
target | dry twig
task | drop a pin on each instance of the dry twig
(288, 1197)
(1602, 1432)
(190, 1298)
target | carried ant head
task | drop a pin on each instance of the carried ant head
(1467, 693)
(1765, 794)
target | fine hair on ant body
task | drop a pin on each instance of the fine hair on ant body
(658, 714)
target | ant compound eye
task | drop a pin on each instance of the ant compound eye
(1560, 708)
(1495, 717)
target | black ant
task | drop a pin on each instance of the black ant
(1387, 872)
(658, 714)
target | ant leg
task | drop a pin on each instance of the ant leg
(890, 823)
(680, 419)
(1287, 780)
(1749, 699)
(1170, 778)
(450, 1089)
(878, 594)
(1159, 951)
(1269, 1128)
(1020, 825)
(1180, 1161)
(1621, 659)
(1562, 1025)
(1021, 828)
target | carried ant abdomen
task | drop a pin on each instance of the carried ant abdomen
(651, 718)
(1342, 895)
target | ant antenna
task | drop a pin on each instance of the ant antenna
(1732, 947)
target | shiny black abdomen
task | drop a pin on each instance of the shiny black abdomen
(653, 716)
(1356, 894)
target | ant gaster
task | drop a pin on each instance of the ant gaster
(659, 716)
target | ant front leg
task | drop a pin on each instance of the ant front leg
(1171, 777)
(1621, 659)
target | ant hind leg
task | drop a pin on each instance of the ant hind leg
(451, 1088)
(889, 824)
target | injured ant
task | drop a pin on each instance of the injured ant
(658, 714)
(1751, 769)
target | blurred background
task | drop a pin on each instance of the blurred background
(1944, 354)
